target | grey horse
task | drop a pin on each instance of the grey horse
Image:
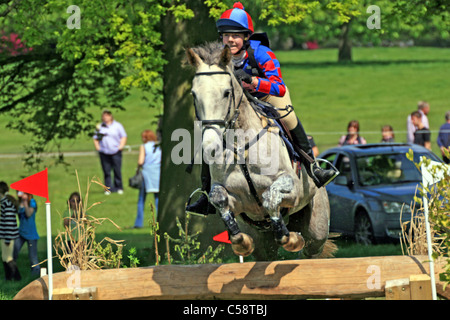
(264, 201)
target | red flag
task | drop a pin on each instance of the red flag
(37, 184)
(222, 237)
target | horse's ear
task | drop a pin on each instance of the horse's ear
(225, 57)
(193, 58)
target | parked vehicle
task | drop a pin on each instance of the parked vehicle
(375, 189)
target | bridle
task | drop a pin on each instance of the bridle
(227, 123)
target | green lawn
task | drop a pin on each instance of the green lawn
(382, 86)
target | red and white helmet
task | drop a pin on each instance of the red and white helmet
(235, 20)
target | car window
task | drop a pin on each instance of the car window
(344, 167)
(386, 169)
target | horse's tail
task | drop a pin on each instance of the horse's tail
(329, 249)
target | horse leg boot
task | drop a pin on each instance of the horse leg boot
(241, 243)
(202, 205)
(282, 188)
(321, 177)
(290, 241)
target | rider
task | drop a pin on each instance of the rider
(235, 27)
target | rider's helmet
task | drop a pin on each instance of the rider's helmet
(235, 20)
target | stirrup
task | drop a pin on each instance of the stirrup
(198, 190)
(318, 160)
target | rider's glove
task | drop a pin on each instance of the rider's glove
(243, 76)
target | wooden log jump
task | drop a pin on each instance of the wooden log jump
(290, 279)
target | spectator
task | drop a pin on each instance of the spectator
(28, 231)
(150, 162)
(423, 107)
(352, 136)
(387, 133)
(73, 212)
(109, 140)
(443, 139)
(314, 147)
(422, 134)
(8, 232)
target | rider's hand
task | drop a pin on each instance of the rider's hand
(243, 76)
(249, 87)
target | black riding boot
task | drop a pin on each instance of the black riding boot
(7, 271)
(202, 205)
(14, 273)
(321, 177)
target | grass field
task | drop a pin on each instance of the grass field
(382, 86)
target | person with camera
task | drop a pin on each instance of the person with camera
(109, 141)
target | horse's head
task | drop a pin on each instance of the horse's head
(214, 90)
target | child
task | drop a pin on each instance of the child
(27, 230)
(8, 232)
(387, 133)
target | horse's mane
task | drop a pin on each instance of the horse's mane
(209, 52)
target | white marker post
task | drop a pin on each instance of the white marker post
(428, 180)
(49, 251)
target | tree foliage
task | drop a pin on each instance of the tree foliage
(54, 73)
(48, 90)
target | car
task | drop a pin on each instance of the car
(374, 190)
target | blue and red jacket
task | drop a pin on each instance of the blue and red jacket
(272, 83)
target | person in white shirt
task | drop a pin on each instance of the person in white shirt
(423, 107)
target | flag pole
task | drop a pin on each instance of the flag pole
(428, 232)
(49, 251)
(430, 249)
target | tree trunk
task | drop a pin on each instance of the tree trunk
(345, 45)
(176, 185)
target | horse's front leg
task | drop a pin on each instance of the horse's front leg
(241, 243)
(281, 189)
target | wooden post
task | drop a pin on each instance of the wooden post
(63, 294)
(398, 289)
(420, 287)
(89, 293)
(416, 287)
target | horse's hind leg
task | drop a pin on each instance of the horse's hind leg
(281, 189)
(312, 221)
(241, 243)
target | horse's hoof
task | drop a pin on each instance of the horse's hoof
(242, 244)
(295, 242)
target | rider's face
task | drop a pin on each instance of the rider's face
(234, 40)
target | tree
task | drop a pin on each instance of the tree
(47, 90)
(176, 183)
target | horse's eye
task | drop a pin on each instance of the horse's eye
(227, 93)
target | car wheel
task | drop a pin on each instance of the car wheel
(363, 229)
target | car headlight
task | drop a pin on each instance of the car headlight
(396, 207)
